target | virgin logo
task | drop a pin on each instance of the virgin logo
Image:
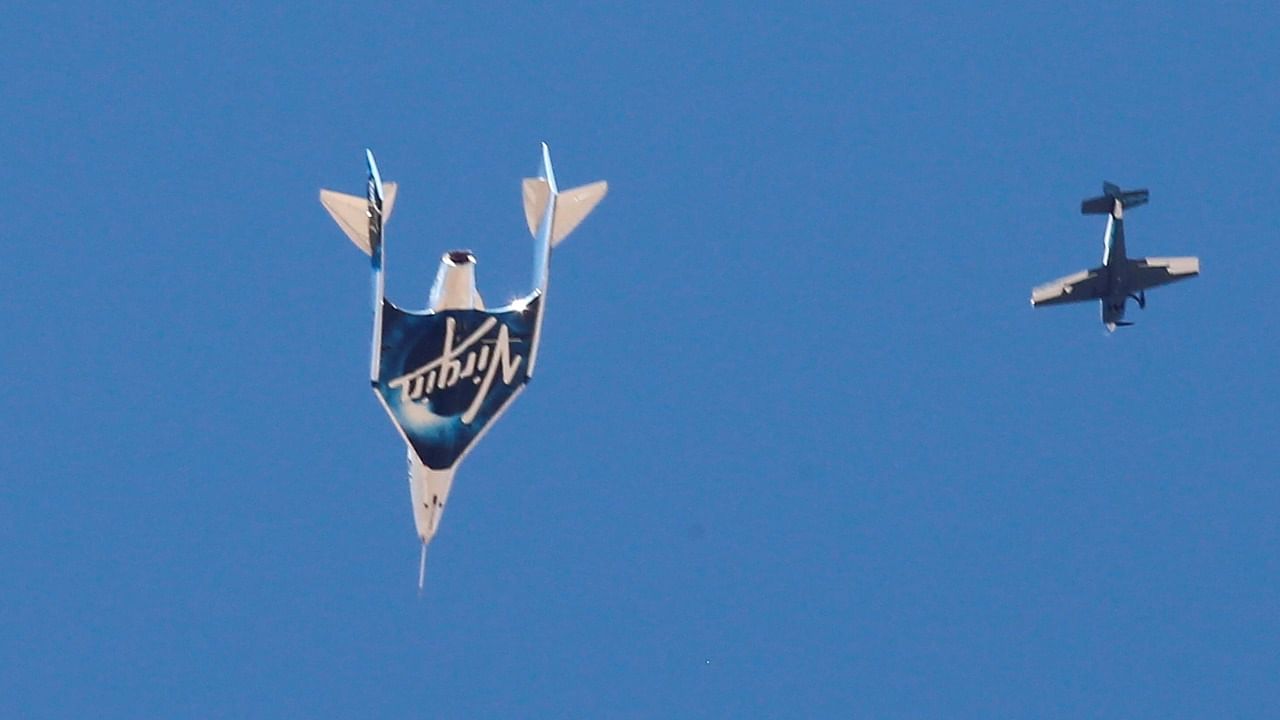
(478, 358)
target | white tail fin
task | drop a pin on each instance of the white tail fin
(352, 213)
(573, 206)
(536, 192)
(552, 215)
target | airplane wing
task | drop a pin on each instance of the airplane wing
(1154, 271)
(1084, 285)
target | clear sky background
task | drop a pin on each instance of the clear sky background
(798, 446)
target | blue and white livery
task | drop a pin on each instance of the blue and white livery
(445, 373)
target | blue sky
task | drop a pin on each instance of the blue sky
(798, 447)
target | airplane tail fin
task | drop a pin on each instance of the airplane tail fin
(553, 214)
(353, 214)
(1105, 203)
(573, 206)
(362, 220)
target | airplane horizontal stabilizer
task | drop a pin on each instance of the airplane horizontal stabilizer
(1105, 204)
(536, 192)
(352, 213)
(572, 206)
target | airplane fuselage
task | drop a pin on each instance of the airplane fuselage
(1116, 265)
